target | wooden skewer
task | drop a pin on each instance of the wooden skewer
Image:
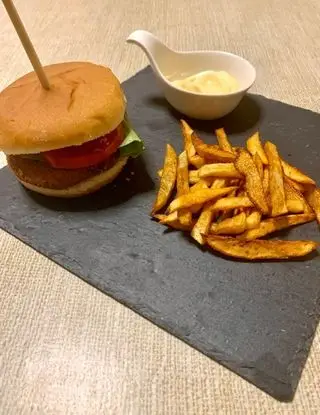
(26, 43)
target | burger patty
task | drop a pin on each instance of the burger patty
(41, 174)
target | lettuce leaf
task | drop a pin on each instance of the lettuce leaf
(132, 146)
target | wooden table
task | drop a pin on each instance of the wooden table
(65, 347)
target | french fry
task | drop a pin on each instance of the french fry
(265, 184)
(197, 161)
(168, 179)
(219, 183)
(228, 213)
(219, 170)
(230, 203)
(294, 199)
(167, 219)
(265, 181)
(202, 225)
(260, 249)
(254, 146)
(211, 152)
(194, 176)
(271, 225)
(185, 216)
(182, 174)
(295, 174)
(230, 226)
(313, 198)
(276, 187)
(194, 159)
(253, 219)
(239, 193)
(296, 185)
(258, 162)
(223, 141)
(172, 221)
(246, 167)
(201, 184)
(200, 196)
(186, 133)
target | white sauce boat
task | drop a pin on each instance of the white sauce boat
(169, 65)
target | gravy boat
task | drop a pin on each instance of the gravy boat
(169, 65)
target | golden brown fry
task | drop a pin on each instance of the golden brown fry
(186, 133)
(202, 225)
(294, 199)
(230, 226)
(258, 162)
(197, 161)
(160, 171)
(239, 193)
(246, 166)
(228, 213)
(260, 249)
(182, 174)
(294, 206)
(296, 185)
(211, 152)
(271, 225)
(219, 170)
(194, 176)
(265, 181)
(254, 146)
(167, 180)
(219, 183)
(166, 218)
(276, 187)
(229, 203)
(173, 222)
(295, 174)
(223, 141)
(313, 198)
(201, 184)
(185, 216)
(195, 198)
(265, 184)
(253, 219)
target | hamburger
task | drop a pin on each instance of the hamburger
(72, 139)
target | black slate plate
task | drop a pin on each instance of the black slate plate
(258, 319)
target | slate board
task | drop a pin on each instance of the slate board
(257, 319)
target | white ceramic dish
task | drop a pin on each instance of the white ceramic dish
(169, 65)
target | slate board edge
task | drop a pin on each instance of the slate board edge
(243, 371)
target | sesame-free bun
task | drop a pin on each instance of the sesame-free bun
(85, 101)
(83, 188)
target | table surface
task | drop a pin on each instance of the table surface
(66, 348)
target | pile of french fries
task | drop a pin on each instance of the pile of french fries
(228, 197)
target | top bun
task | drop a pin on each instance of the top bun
(85, 101)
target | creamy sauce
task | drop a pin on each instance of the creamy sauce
(208, 82)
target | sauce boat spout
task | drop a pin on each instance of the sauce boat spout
(155, 50)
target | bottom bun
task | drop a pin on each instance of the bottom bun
(83, 188)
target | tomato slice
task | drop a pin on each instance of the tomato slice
(88, 154)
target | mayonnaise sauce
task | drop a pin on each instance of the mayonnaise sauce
(208, 82)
